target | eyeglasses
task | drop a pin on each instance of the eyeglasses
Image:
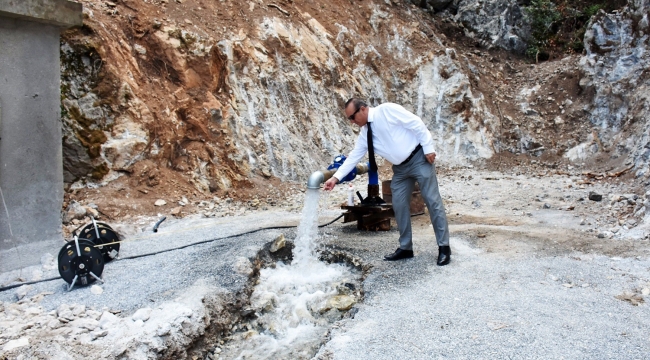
(351, 117)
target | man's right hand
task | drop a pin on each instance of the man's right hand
(329, 184)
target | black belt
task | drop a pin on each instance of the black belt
(415, 151)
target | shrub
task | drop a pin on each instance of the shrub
(541, 15)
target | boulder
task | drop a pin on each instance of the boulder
(341, 302)
(160, 202)
(142, 314)
(74, 211)
(278, 243)
(498, 23)
(243, 266)
(14, 344)
(595, 197)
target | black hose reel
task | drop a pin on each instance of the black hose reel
(81, 260)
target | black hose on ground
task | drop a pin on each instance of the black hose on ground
(5, 288)
(155, 227)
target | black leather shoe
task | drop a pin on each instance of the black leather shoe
(444, 255)
(399, 254)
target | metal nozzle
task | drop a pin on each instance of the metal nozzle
(320, 176)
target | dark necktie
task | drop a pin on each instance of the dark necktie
(371, 150)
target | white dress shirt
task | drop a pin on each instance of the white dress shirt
(396, 132)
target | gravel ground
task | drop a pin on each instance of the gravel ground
(134, 283)
(537, 271)
(490, 305)
(525, 281)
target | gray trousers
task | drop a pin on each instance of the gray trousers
(404, 178)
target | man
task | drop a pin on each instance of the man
(400, 137)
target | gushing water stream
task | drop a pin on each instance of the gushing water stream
(294, 303)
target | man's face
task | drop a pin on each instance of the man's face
(358, 117)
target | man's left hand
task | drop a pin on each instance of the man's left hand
(431, 157)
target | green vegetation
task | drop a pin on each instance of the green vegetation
(559, 27)
(542, 15)
(592, 10)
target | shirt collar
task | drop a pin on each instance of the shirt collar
(371, 114)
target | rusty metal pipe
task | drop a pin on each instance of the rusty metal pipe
(320, 176)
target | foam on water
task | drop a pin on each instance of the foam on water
(291, 300)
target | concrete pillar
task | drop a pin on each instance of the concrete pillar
(31, 170)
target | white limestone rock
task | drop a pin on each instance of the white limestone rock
(142, 314)
(22, 291)
(14, 344)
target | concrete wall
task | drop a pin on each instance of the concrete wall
(31, 170)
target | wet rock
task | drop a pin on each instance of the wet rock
(278, 243)
(332, 315)
(595, 196)
(265, 302)
(341, 302)
(243, 266)
(345, 289)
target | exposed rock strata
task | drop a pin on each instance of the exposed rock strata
(616, 73)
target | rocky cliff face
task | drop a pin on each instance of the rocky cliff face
(259, 97)
(500, 24)
(190, 97)
(616, 73)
